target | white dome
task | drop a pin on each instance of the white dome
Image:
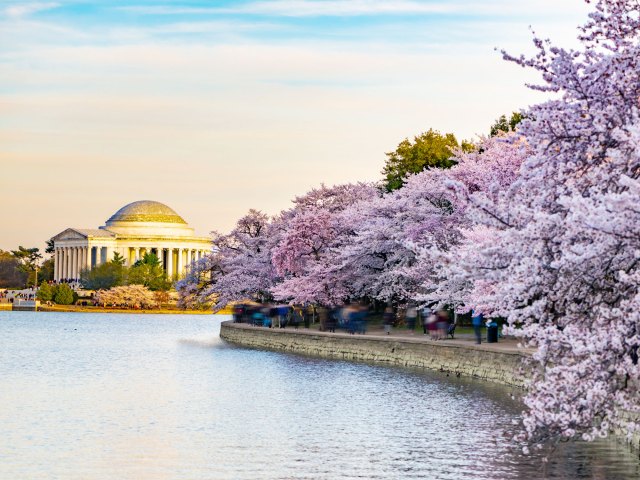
(148, 219)
(146, 211)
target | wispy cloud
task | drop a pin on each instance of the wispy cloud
(303, 8)
(345, 8)
(29, 8)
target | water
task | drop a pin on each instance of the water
(93, 396)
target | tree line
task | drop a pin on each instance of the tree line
(537, 225)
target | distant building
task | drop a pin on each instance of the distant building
(138, 228)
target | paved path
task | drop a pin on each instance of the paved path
(463, 340)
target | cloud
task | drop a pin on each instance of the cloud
(344, 8)
(303, 8)
(24, 9)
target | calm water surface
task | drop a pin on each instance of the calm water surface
(93, 396)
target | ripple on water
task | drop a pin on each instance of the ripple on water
(162, 397)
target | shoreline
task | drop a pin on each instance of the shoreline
(81, 309)
(496, 362)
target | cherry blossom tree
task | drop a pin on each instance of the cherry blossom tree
(399, 240)
(562, 260)
(310, 234)
(540, 226)
(131, 296)
(238, 268)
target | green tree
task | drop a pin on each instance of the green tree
(149, 272)
(29, 258)
(46, 271)
(50, 246)
(12, 274)
(428, 150)
(504, 124)
(45, 292)
(105, 276)
(63, 294)
(117, 259)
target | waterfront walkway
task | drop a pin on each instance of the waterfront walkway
(463, 340)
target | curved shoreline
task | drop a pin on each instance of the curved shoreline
(495, 363)
(498, 364)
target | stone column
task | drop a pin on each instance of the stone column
(87, 257)
(78, 262)
(74, 262)
(56, 264)
(136, 256)
(170, 263)
(64, 263)
(109, 254)
(180, 263)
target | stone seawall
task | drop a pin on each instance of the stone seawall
(478, 361)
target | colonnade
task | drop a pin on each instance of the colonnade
(70, 261)
(174, 259)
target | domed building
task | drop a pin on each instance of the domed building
(137, 228)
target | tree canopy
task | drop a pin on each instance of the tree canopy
(106, 275)
(539, 226)
(430, 149)
(29, 261)
(148, 272)
(12, 273)
(506, 124)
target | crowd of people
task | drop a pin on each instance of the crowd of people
(352, 318)
(9, 296)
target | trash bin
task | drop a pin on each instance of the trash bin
(492, 333)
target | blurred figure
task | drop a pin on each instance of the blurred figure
(476, 321)
(283, 315)
(426, 315)
(360, 317)
(323, 318)
(306, 317)
(388, 319)
(432, 326)
(442, 322)
(411, 316)
(297, 316)
(274, 318)
(332, 319)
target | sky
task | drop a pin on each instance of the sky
(217, 107)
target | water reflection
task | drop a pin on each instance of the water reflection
(113, 396)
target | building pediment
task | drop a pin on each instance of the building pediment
(69, 234)
(82, 234)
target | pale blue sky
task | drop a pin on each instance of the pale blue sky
(217, 107)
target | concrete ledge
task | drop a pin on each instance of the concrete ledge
(479, 361)
(486, 362)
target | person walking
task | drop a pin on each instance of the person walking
(476, 321)
(411, 315)
(387, 319)
(426, 314)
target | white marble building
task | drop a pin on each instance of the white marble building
(134, 230)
